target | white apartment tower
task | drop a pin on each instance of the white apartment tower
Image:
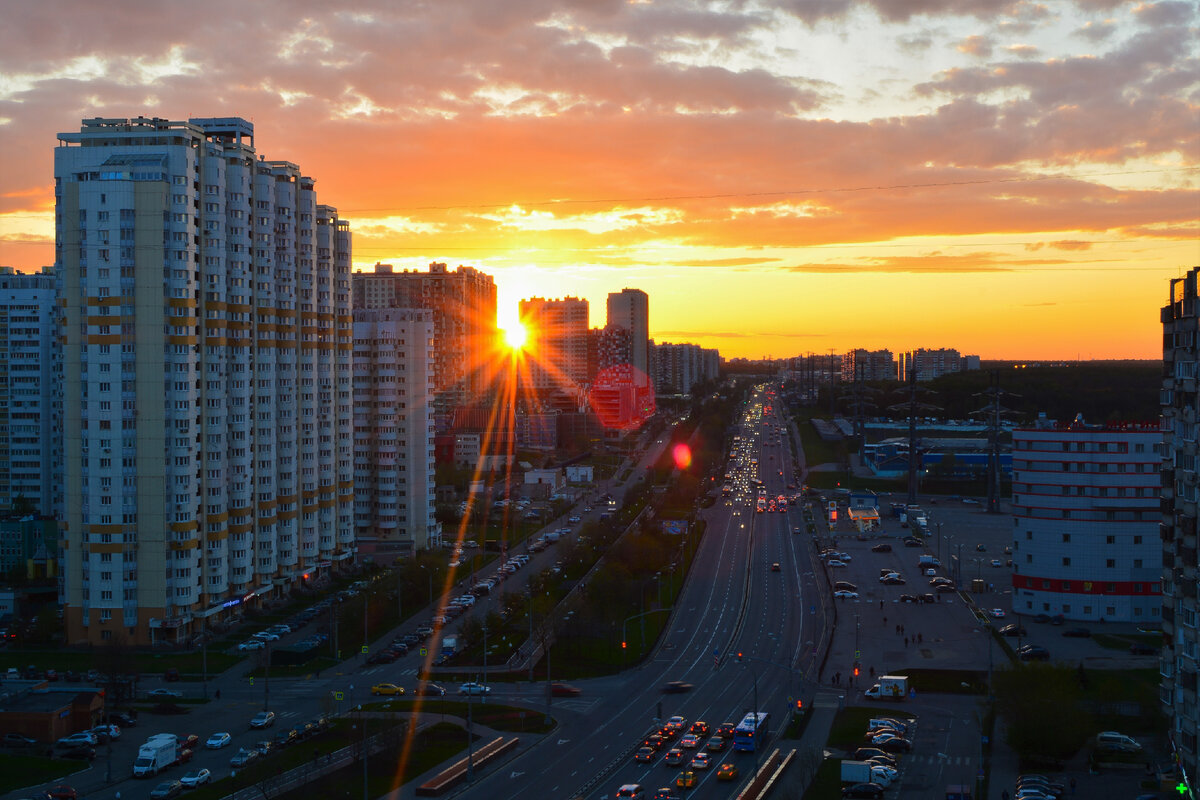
(557, 341)
(206, 391)
(30, 428)
(394, 499)
(630, 309)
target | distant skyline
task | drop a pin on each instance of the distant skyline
(1016, 180)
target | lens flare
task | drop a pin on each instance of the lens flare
(683, 455)
(515, 336)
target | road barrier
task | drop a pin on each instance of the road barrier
(456, 772)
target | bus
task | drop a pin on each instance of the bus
(752, 727)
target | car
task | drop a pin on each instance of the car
(1077, 633)
(666, 793)
(908, 598)
(17, 740)
(253, 644)
(644, 754)
(166, 789)
(171, 674)
(122, 720)
(218, 740)
(383, 657)
(868, 790)
(266, 636)
(995, 562)
(979, 548)
(943, 588)
(715, 744)
(727, 771)
(997, 613)
(674, 757)
(892, 580)
(881, 548)
(85, 751)
(676, 687)
(913, 542)
(1033, 652)
(847, 585)
(389, 689)
(1116, 742)
(1057, 619)
(243, 757)
(1140, 649)
(76, 739)
(690, 741)
(1012, 629)
(263, 719)
(655, 740)
(1041, 618)
(700, 760)
(896, 744)
(164, 694)
(429, 690)
(836, 563)
(928, 598)
(197, 777)
(564, 690)
(725, 730)
(265, 747)
(62, 792)
(842, 594)
(473, 688)
(883, 759)
(104, 733)
(286, 737)
(775, 567)
(676, 724)
(686, 780)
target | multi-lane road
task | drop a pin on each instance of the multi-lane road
(734, 601)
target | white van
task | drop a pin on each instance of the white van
(1116, 742)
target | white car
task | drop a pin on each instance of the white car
(253, 644)
(837, 563)
(882, 775)
(218, 740)
(845, 594)
(474, 688)
(196, 777)
(266, 636)
(164, 693)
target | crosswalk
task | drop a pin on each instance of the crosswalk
(915, 759)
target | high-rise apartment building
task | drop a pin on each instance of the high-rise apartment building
(927, 365)
(463, 302)
(870, 365)
(206, 391)
(30, 428)
(679, 367)
(630, 309)
(556, 347)
(1180, 510)
(394, 500)
(1085, 521)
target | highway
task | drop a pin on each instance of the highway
(733, 601)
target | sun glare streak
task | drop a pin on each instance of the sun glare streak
(515, 336)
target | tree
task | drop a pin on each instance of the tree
(1043, 710)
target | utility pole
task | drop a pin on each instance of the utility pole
(267, 677)
(204, 664)
(992, 412)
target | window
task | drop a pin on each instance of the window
(1066, 561)
(1110, 563)
(1066, 537)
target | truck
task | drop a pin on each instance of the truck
(159, 752)
(928, 561)
(889, 687)
(449, 645)
(856, 772)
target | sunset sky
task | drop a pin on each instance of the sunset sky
(1012, 179)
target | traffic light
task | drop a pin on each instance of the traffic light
(799, 704)
(739, 657)
(622, 645)
(856, 672)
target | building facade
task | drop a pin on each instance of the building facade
(556, 347)
(394, 500)
(679, 367)
(1180, 511)
(463, 302)
(206, 390)
(1085, 521)
(630, 309)
(869, 365)
(30, 368)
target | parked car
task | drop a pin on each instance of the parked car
(881, 548)
(1012, 629)
(1033, 652)
(164, 694)
(473, 688)
(17, 740)
(1116, 742)
(861, 790)
(76, 739)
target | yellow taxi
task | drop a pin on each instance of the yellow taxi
(686, 780)
(387, 689)
(727, 771)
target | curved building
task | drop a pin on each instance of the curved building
(1085, 521)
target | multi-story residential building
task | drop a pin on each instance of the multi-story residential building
(30, 427)
(612, 348)
(630, 309)
(1180, 573)
(206, 391)
(557, 333)
(679, 367)
(930, 364)
(463, 302)
(1085, 521)
(394, 500)
(870, 365)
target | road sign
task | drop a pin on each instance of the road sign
(424, 651)
(339, 696)
(364, 649)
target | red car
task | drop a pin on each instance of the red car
(564, 690)
(62, 792)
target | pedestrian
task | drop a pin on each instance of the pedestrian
(881, 605)
(885, 620)
(218, 694)
(920, 638)
(906, 641)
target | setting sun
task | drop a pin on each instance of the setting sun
(515, 335)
